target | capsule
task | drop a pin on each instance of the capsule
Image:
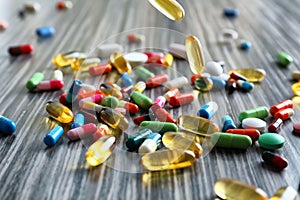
(101, 131)
(150, 144)
(295, 75)
(143, 73)
(252, 133)
(66, 59)
(284, 59)
(100, 69)
(208, 110)
(181, 99)
(168, 159)
(230, 12)
(73, 91)
(59, 112)
(50, 85)
(136, 58)
(253, 75)
(158, 103)
(155, 58)
(141, 100)
(296, 128)
(126, 79)
(171, 93)
(106, 50)
(33, 82)
(284, 114)
(164, 116)
(178, 50)
(285, 193)
(87, 94)
(232, 141)
(62, 100)
(134, 141)
(275, 125)
(227, 36)
(7, 126)
(231, 86)
(110, 89)
(281, 106)
(81, 132)
(213, 68)
(64, 5)
(168, 60)
(112, 118)
(157, 80)
(236, 76)
(194, 54)
(227, 123)
(139, 87)
(245, 45)
(45, 31)
(203, 83)
(257, 112)
(170, 8)
(3, 25)
(226, 188)
(100, 150)
(53, 136)
(178, 140)
(130, 107)
(32, 6)
(88, 117)
(194, 77)
(160, 127)
(95, 99)
(218, 84)
(139, 119)
(20, 50)
(275, 160)
(119, 62)
(135, 38)
(57, 75)
(78, 121)
(245, 85)
(110, 101)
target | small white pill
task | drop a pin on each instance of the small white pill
(179, 82)
(254, 123)
(105, 50)
(213, 68)
(136, 58)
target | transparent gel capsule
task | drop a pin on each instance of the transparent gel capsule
(194, 54)
(197, 125)
(203, 83)
(108, 89)
(100, 150)
(139, 86)
(170, 8)
(226, 188)
(253, 75)
(85, 64)
(59, 112)
(113, 118)
(118, 61)
(285, 193)
(68, 58)
(168, 159)
(296, 88)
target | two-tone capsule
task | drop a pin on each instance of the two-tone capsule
(232, 141)
(134, 141)
(20, 50)
(252, 133)
(50, 85)
(33, 82)
(208, 110)
(274, 160)
(150, 144)
(53, 136)
(281, 106)
(227, 123)
(81, 132)
(156, 80)
(257, 112)
(59, 112)
(74, 91)
(181, 99)
(78, 121)
(275, 125)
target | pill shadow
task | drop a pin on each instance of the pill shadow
(8, 139)
(19, 58)
(270, 168)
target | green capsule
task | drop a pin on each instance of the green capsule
(110, 101)
(143, 73)
(257, 112)
(233, 141)
(284, 59)
(34, 81)
(160, 127)
(135, 141)
(141, 100)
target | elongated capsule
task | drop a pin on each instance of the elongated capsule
(110, 101)
(157, 80)
(53, 136)
(208, 110)
(95, 99)
(284, 114)
(119, 62)
(100, 69)
(134, 141)
(139, 119)
(245, 85)
(57, 75)
(91, 106)
(164, 116)
(73, 91)
(170, 8)
(106, 50)
(88, 117)
(160, 127)
(81, 132)
(171, 93)
(136, 58)
(88, 94)
(45, 31)
(281, 106)
(100, 150)
(143, 73)
(112, 118)
(126, 79)
(7, 126)
(50, 85)
(59, 112)
(158, 103)
(253, 75)
(101, 131)
(236, 76)
(179, 82)
(275, 160)
(141, 100)
(194, 54)
(130, 107)
(227, 123)
(168, 159)
(178, 50)
(232, 141)
(20, 50)
(275, 125)
(257, 112)
(135, 38)
(285, 193)
(226, 188)
(65, 59)
(78, 121)
(63, 5)
(181, 99)
(34, 81)
(252, 133)
(150, 144)
(139, 87)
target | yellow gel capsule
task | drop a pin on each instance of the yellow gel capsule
(197, 125)
(226, 188)
(108, 89)
(253, 75)
(68, 58)
(119, 62)
(113, 118)
(59, 112)
(194, 54)
(168, 159)
(85, 64)
(170, 8)
(139, 87)
(285, 193)
(100, 150)
(168, 60)
(180, 140)
(296, 88)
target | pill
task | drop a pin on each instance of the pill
(213, 68)
(62, 100)
(53, 136)
(194, 54)
(78, 121)
(119, 62)
(50, 85)
(141, 100)
(95, 99)
(19, 50)
(194, 77)
(158, 103)
(231, 86)
(125, 79)
(100, 69)
(203, 83)
(87, 88)
(285, 193)
(296, 127)
(135, 38)
(236, 76)
(274, 160)
(179, 82)
(227, 35)
(143, 73)
(33, 82)
(284, 114)
(101, 131)
(160, 127)
(156, 80)
(89, 118)
(32, 6)
(168, 60)
(73, 91)
(178, 50)
(112, 118)
(271, 141)
(223, 77)
(168, 159)
(123, 111)
(253, 75)
(284, 59)
(164, 116)
(171, 93)
(231, 12)
(257, 112)
(7, 126)
(245, 85)
(100, 150)
(150, 144)
(254, 123)
(155, 58)
(227, 123)
(136, 58)
(91, 106)
(139, 119)
(181, 99)
(252, 133)
(226, 188)
(208, 110)
(218, 84)
(65, 59)
(245, 45)
(87, 94)
(81, 132)
(84, 65)
(45, 31)
(59, 112)
(134, 141)
(57, 75)
(296, 88)
(232, 141)
(105, 50)
(295, 75)
(110, 101)
(281, 106)
(275, 125)
(3, 25)
(170, 8)
(63, 5)
(139, 87)
(130, 107)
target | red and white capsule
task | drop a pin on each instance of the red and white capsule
(281, 106)
(95, 99)
(155, 58)
(275, 125)
(20, 50)
(158, 103)
(130, 107)
(81, 132)
(50, 85)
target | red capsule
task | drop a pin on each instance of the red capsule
(156, 81)
(19, 50)
(62, 99)
(275, 125)
(284, 114)
(87, 94)
(163, 115)
(50, 85)
(280, 106)
(140, 119)
(155, 58)
(275, 160)
(237, 76)
(194, 77)
(181, 99)
(131, 107)
(296, 127)
(171, 93)
(100, 69)
(252, 133)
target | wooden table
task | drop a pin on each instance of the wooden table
(29, 170)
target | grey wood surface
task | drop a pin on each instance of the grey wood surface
(29, 170)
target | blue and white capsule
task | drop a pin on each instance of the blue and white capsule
(245, 85)
(208, 110)
(231, 12)
(218, 84)
(245, 45)
(74, 90)
(126, 79)
(45, 31)
(227, 123)
(150, 144)
(78, 121)
(7, 126)
(53, 136)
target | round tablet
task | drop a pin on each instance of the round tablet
(271, 141)
(254, 123)
(136, 58)
(297, 128)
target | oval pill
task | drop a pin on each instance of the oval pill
(170, 8)
(194, 54)
(136, 58)
(231, 12)
(271, 141)
(45, 31)
(227, 140)
(254, 123)
(213, 68)
(284, 59)
(7, 126)
(253, 75)
(53, 136)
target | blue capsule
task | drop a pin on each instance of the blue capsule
(227, 123)
(230, 12)
(245, 45)
(74, 90)
(45, 31)
(208, 110)
(126, 80)
(7, 126)
(52, 137)
(245, 85)
(218, 84)
(78, 121)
